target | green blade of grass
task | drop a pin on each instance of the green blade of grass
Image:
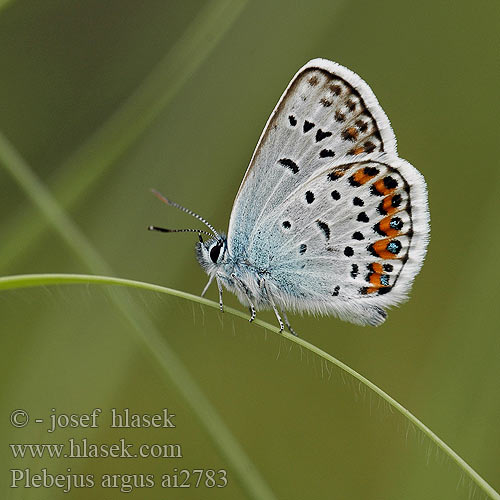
(33, 280)
(123, 128)
(46, 205)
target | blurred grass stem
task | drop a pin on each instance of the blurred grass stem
(96, 156)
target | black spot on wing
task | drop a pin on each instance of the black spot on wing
(371, 171)
(351, 105)
(390, 182)
(325, 228)
(320, 135)
(286, 162)
(292, 120)
(308, 126)
(333, 176)
(339, 117)
(326, 153)
(336, 89)
(369, 147)
(302, 249)
(372, 250)
(354, 270)
(362, 217)
(309, 197)
(380, 209)
(362, 126)
(396, 200)
(313, 81)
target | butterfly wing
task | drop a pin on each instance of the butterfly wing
(327, 113)
(349, 240)
(335, 218)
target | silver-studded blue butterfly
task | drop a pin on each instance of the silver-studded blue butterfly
(328, 219)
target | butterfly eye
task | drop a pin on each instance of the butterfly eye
(215, 251)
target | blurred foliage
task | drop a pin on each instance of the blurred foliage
(72, 74)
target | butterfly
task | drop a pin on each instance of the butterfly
(328, 218)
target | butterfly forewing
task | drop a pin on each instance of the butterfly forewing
(326, 114)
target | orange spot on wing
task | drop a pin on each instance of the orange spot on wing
(361, 177)
(385, 226)
(380, 248)
(380, 187)
(375, 276)
(387, 205)
(358, 150)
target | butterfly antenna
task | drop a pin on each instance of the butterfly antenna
(190, 212)
(165, 230)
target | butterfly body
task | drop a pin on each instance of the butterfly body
(328, 218)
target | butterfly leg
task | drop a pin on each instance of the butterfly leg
(207, 285)
(278, 317)
(271, 301)
(287, 323)
(247, 293)
(221, 304)
(252, 313)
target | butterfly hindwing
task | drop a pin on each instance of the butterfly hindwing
(352, 237)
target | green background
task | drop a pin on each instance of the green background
(104, 100)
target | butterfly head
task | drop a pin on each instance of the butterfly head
(211, 253)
